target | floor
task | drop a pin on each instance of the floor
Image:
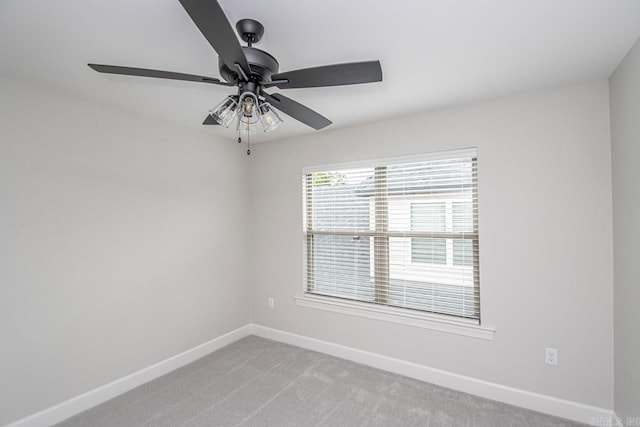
(258, 382)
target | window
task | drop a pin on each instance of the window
(400, 233)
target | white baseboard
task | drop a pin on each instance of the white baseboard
(75, 405)
(575, 411)
(587, 414)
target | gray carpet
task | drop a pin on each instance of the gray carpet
(257, 382)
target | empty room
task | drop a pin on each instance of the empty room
(325, 213)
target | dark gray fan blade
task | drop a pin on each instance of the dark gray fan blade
(331, 75)
(210, 121)
(298, 111)
(143, 72)
(214, 26)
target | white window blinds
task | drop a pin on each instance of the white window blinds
(398, 232)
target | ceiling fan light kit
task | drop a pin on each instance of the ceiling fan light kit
(252, 71)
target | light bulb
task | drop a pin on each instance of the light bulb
(248, 106)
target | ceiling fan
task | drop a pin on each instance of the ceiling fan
(252, 71)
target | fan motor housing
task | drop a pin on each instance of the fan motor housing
(262, 64)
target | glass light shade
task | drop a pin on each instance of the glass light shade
(245, 127)
(224, 112)
(248, 105)
(247, 114)
(269, 119)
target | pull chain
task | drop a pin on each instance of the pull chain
(248, 140)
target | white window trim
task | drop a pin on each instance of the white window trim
(436, 322)
(398, 315)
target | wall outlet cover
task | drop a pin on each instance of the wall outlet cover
(551, 356)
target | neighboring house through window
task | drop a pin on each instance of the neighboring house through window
(400, 233)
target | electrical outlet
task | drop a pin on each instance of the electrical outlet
(271, 302)
(551, 356)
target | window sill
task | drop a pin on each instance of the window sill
(469, 328)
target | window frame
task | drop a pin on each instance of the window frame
(380, 239)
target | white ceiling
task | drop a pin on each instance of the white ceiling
(434, 53)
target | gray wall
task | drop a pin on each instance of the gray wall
(123, 242)
(625, 152)
(545, 229)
